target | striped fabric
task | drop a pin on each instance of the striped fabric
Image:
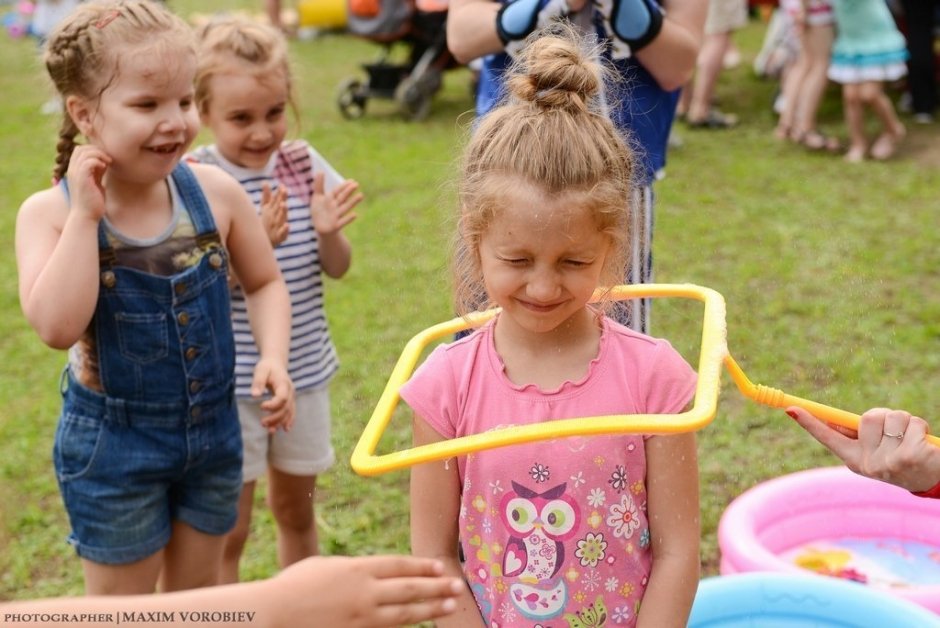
(635, 313)
(313, 359)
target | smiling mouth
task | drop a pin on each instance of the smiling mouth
(539, 307)
(165, 149)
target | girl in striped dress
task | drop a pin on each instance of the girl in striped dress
(243, 91)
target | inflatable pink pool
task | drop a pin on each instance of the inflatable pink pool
(833, 522)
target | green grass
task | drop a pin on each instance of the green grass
(829, 273)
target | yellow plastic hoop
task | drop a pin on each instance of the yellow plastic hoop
(712, 356)
(714, 348)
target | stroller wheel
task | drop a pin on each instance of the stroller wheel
(351, 98)
(414, 98)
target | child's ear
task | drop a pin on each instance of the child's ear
(81, 113)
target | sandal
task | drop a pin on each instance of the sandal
(714, 120)
(815, 141)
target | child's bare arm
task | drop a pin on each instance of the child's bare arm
(364, 591)
(269, 309)
(356, 592)
(435, 506)
(672, 487)
(57, 251)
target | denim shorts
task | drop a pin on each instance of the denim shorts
(126, 470)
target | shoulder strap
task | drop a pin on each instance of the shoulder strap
(106, 255)
(194, 200)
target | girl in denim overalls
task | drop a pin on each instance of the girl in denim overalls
(125, 262)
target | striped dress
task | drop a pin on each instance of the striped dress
(313, 359)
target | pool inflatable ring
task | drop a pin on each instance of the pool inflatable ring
(834, 522)
(792, 600)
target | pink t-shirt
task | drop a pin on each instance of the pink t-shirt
(553, 530)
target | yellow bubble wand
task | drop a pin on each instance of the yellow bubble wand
(712, 356)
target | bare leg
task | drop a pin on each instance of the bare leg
(816, 46)
(133, 578)
(236, 539)
(192, 559)
(792, 87)
(854, 122)
(273, 10)
(893, 131)
(291, 498)
(682, 108)
(708, 67)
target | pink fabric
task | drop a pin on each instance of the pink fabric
(553, 529)
(816, 12)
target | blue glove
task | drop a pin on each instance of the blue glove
(517, 19)
(633, 24)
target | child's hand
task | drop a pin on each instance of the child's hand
(274, 213)
(331, 212)
(355, 592)
(279, 407)
(86, 170)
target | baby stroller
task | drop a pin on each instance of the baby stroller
(411, 84)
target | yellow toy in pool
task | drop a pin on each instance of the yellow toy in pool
(824, 561)
(829, 562)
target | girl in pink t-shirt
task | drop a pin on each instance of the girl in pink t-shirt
(578, 531)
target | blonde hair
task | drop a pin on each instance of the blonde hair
(83, 52)
(551, 135)
(259, 49)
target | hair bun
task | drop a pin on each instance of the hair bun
(555, 72)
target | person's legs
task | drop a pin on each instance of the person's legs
(192, 559)
(236, 539)
(256, 443)
(816, 47)
(295, 461)
(273, 10)
(682, 107)
(792, 87)
(854, 122)
(723, 18)
(708, 67)
(892, 130)
(291, 498)
(130, 579)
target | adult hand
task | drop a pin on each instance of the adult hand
(890, 446)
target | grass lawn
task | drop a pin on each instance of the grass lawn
(830, 273)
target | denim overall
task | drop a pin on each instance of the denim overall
(163, 442)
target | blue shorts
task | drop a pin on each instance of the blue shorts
(126, 470)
